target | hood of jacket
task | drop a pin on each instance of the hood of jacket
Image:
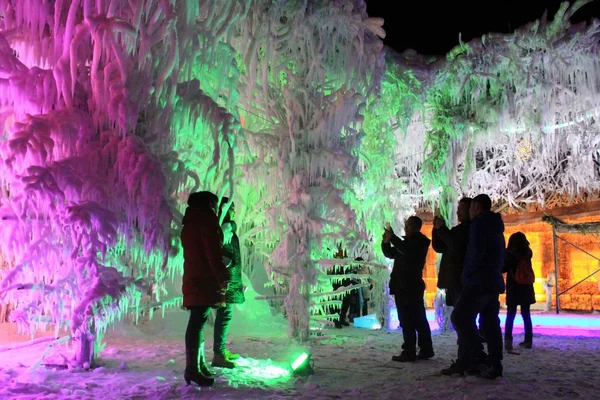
(197, 214)
(520, 253)
(418, 238)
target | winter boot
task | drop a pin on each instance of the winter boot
(406, 356)
(527, 344)
(220, 361)
(477, 363)
(192, 374)
(203, 367)
(231, 356)
(508, 344)
(488, 371)
(456, 367)
(425, 354)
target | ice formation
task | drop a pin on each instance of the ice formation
(112, 111)
(89, 178)
(303, 110)
(512, 115)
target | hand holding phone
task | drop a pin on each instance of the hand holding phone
(387, 234)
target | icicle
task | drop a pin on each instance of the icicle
(96, 215)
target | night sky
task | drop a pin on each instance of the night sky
(433, 29)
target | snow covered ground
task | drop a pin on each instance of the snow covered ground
(146, 361)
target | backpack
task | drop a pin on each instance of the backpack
(524, 274)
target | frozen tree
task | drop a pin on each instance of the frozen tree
(387, 152)
(308, 69)
(512, 115)
(89, 177)
(112, 111)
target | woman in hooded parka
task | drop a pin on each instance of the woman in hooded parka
(518, 294)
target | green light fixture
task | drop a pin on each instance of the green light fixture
(302, 365)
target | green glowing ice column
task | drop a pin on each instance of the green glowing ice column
(309, 70)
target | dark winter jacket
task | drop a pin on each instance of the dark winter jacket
(204, 273)
(485, 254)
(409, 260)
(517, 294)
(452, 244)
(235, 290)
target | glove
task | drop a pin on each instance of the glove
(227, 233)
(223, 289)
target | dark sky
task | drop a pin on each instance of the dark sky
(432, 26)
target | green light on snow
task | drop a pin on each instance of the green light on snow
(257, 372)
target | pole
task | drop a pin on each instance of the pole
(556, 268)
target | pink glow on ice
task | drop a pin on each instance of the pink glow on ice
(87, 91)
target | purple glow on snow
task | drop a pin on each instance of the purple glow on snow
(587, 325)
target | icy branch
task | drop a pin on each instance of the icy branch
(33, 343)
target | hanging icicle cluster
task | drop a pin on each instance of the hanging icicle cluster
(88, 91)
(514, 116)
(308, 68)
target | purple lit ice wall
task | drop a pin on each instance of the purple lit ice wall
(86, 96)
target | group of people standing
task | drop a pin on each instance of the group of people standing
(474, 258)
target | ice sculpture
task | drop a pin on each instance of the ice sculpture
(92, 94)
